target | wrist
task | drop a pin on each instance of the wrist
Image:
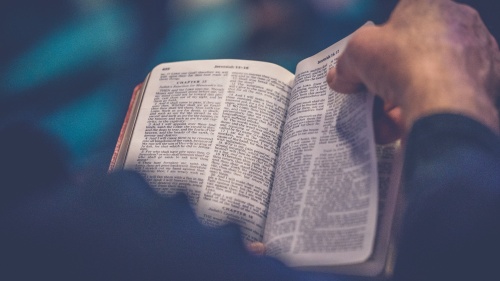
(459, 99)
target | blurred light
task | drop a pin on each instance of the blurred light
(73, 47)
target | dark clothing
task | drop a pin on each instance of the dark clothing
(452, 181)
(108, 227)
(117, 228)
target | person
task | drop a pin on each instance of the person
(437, 69)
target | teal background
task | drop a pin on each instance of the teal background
(70, 66)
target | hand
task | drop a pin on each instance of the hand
(432, 56)
(256, 248)
(387, 122)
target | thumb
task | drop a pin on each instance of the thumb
(342, 83)
(256, 248)
(345, 76)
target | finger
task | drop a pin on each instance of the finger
(387, 130)
(348, 75)
(343, 83)
(387, 122)
(257, 248)
(344, 77)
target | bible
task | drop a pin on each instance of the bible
(292, 162)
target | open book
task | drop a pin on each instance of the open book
(292, 162)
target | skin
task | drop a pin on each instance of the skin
(432, 56)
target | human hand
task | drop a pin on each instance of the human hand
(432, 56)
(256, 248)
(387, 122)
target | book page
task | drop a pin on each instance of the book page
(211, 129)
(381, 261)
(323, 208)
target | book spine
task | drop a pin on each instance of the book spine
(119, 142)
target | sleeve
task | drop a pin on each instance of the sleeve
(451, 226)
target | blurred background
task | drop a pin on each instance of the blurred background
(70, 66)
